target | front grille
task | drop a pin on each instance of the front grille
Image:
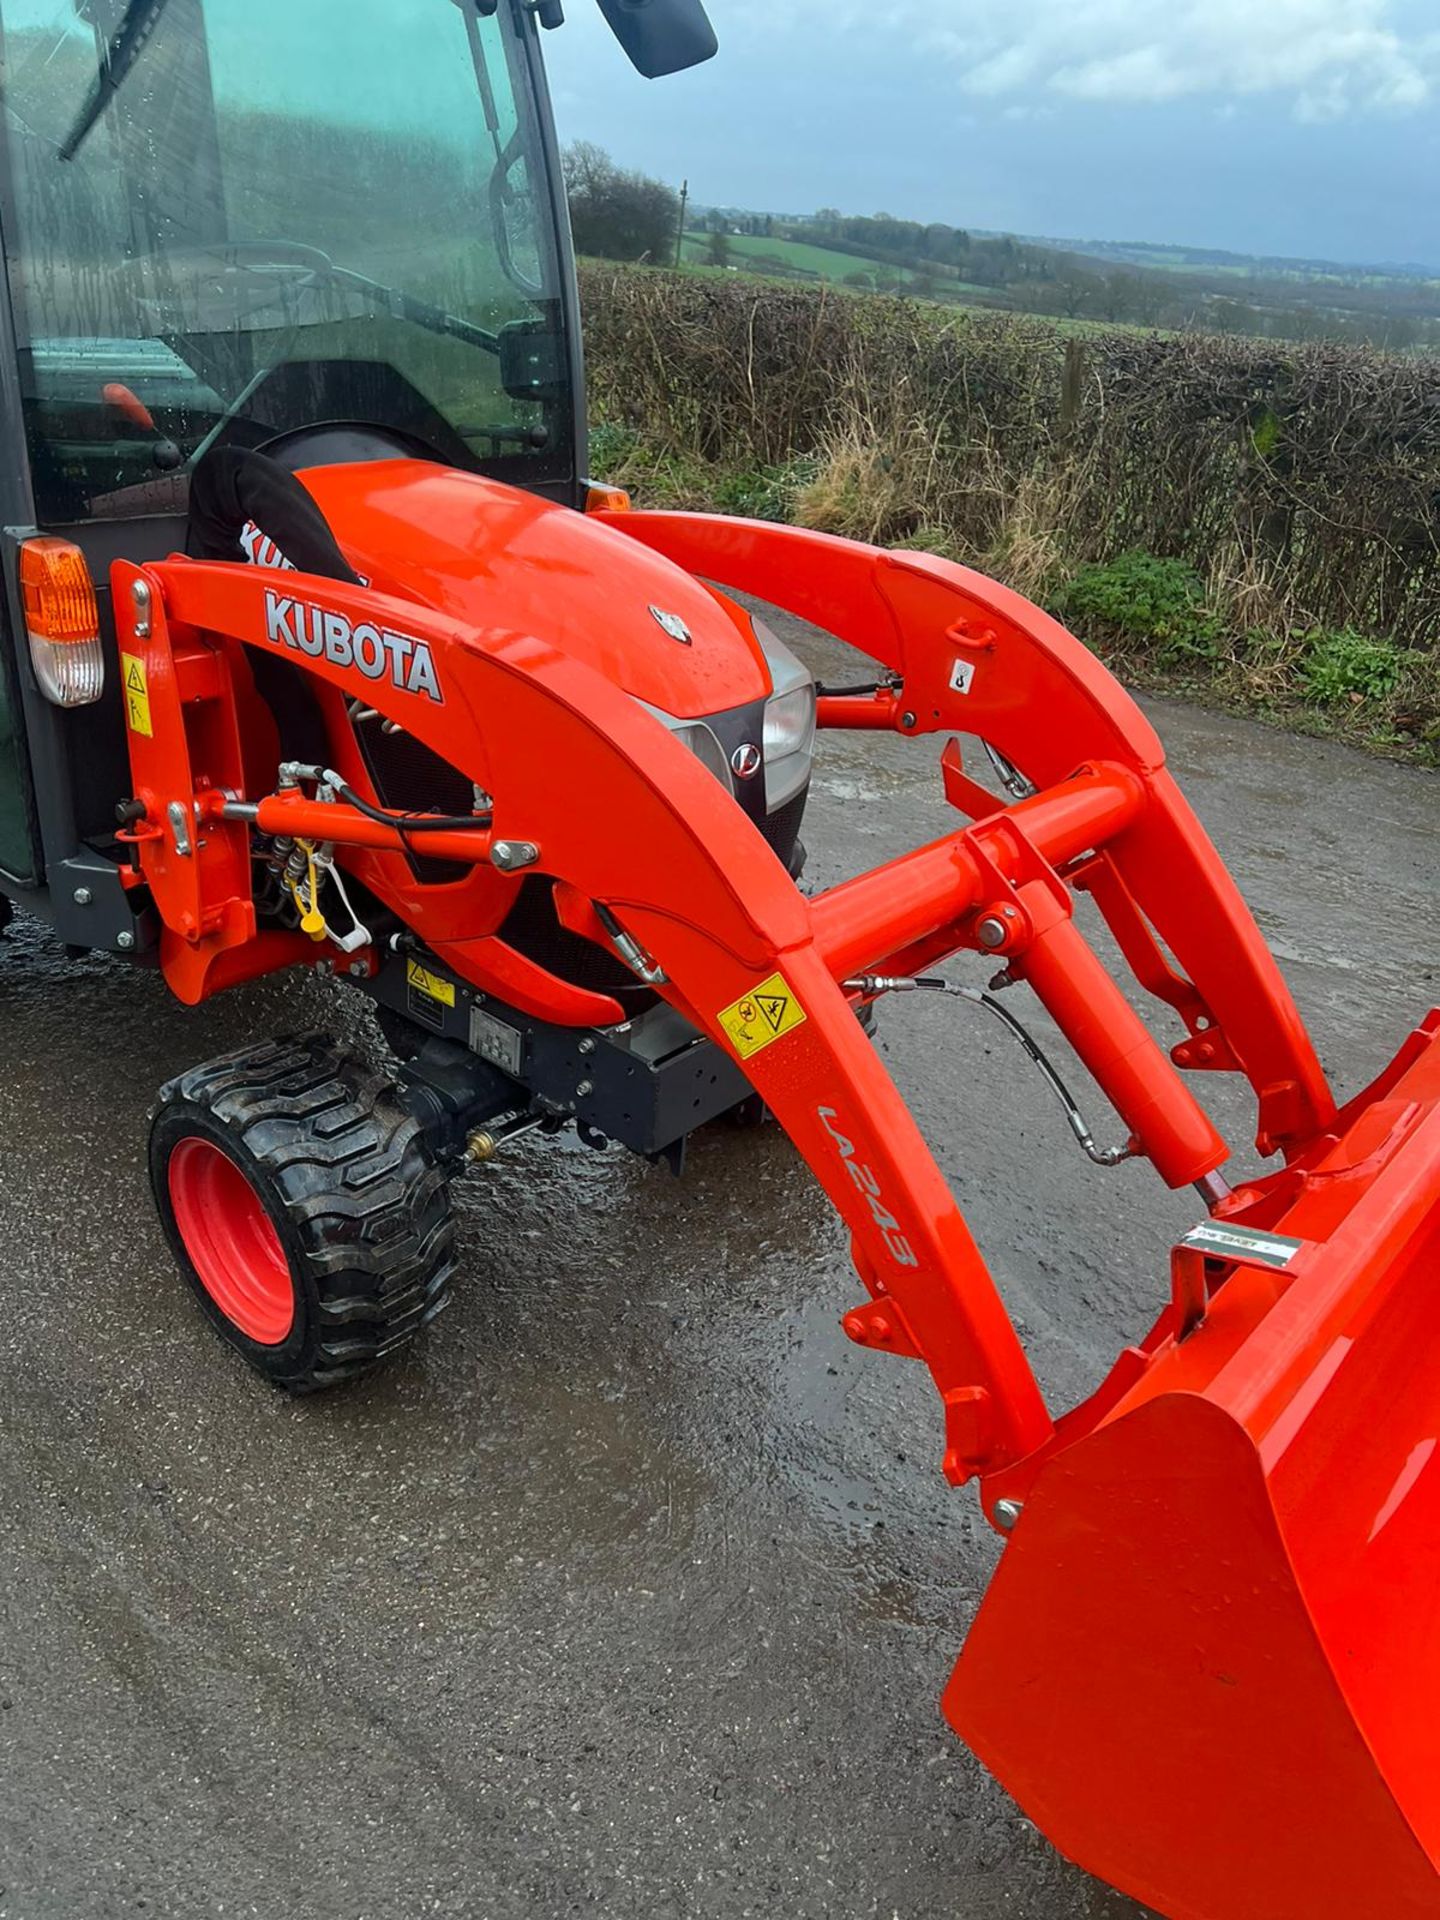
(533, 928)
(782, 828)
(409, 778)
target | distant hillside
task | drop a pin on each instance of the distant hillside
(1174, 257)
(1172, 288)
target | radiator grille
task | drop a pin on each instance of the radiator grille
(409, 778)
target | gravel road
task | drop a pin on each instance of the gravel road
(632, 1590)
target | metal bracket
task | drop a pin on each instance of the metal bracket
(969, 1437)
(1189, 1289)
(878, 1324)
(90, 907)
(178, 814)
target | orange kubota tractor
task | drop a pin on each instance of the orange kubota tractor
(320, 653)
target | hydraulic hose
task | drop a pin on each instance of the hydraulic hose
(872, 985)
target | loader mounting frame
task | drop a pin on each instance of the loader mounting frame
(722, 919)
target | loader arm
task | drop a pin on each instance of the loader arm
(1209, 1664)
(1178, 1554)
(976, 658)
(746, 958)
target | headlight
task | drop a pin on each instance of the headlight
(706, 748)
(701, 740)
(789, 721)
(789, 729)
(790, 724)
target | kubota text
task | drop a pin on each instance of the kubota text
(378, 653)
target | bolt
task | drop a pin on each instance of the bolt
(140, 594)
(587, 1046)
(1007, 1514)
(907, 720)
(125, 941)
(880, 1328)
(584, 1090)
(82, 896)
(992, 933)
(359, 970)
(511, 855)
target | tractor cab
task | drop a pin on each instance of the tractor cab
(334, 231)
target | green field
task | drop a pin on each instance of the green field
(747, 252)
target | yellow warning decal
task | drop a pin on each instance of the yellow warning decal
(424, 981)
(763, 1017)
(137, 695)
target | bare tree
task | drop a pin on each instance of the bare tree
(616, 214)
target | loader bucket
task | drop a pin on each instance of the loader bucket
(1209, 1664)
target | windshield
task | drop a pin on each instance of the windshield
(229, 219)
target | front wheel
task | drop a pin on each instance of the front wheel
(305, 1209)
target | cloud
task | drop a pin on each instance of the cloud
(1325, 58)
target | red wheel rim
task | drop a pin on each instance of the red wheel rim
(232, 1242)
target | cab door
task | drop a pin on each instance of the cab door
(17, 812)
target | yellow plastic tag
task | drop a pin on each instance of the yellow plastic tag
(313, 920)
(762, 1017)
(136, 683)
(429, 983)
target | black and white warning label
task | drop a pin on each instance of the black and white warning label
(1244, 1243)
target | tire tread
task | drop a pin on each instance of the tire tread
(357, 1184)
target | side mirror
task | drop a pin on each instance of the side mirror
(662, 36)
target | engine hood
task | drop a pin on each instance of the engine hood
(492, 556)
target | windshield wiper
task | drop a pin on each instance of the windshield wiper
(405, 306)
(127, 43)
(392, 300)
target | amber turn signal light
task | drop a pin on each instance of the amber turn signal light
(62, 620)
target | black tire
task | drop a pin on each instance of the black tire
(346, 1180)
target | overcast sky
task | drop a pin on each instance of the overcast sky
(1297, 127)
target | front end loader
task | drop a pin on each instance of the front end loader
(320, 653)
